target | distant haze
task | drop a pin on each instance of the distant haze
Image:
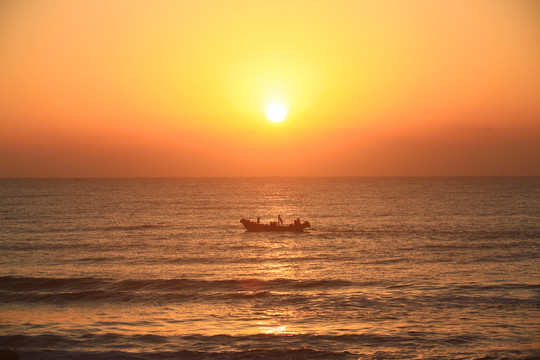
(178, 88)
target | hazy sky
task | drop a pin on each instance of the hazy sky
(178, 88)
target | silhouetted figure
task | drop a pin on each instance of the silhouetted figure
(258, 220)
(297, 221)
(280, 220)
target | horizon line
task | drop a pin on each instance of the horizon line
(259, 177)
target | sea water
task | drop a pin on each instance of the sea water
(162, 269)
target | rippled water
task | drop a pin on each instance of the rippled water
(162, 268)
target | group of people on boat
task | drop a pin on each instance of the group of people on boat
(296, 222)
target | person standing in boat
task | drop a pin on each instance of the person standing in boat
(279, 219)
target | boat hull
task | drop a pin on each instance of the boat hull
(252, 226)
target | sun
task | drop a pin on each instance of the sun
(276, 112)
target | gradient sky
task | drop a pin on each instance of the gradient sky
(178, 88)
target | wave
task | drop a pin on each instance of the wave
(325, 295)
(15, 283)
(20, 283)
(49, 229)
(305, 353)
(223, 340)
(260, 346)
(428, 232)
(183, 259)
(257, 354)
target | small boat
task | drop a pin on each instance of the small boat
(253, 226)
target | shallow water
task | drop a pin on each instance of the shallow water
(162, 268)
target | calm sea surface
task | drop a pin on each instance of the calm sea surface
(393, 268)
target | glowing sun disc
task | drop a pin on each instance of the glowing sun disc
(276, 113)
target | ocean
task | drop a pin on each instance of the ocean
(392, 268)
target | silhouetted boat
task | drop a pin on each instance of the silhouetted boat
(253, 226)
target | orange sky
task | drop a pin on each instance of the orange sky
(178, 88)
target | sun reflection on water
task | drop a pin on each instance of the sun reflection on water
(279, 271)
(275, 319)
(277, 330)
(273, 324)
